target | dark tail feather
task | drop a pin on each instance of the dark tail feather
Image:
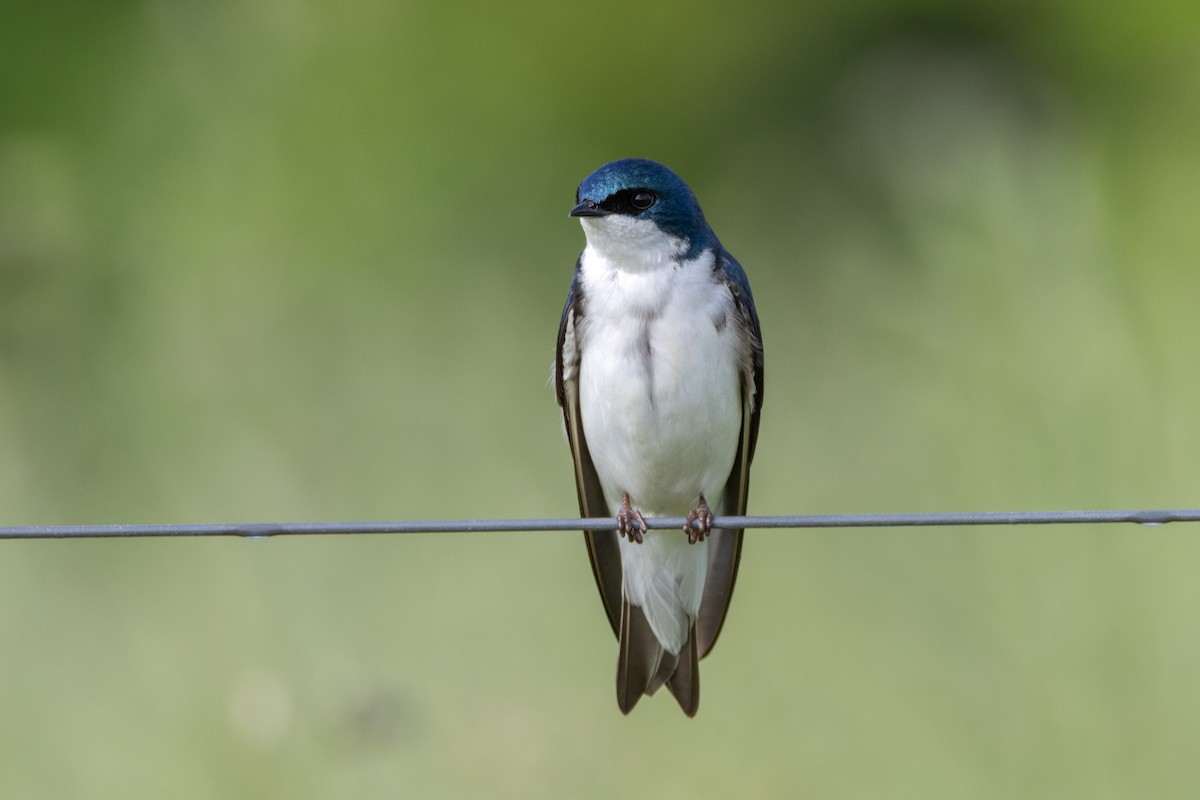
(639, 658)
(666, 668)
(684, 684)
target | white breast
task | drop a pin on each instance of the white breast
(660, 401)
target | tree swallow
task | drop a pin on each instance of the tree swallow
(659, 373)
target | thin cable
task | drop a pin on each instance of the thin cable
(262, 530)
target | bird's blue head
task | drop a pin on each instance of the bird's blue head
(640, 189)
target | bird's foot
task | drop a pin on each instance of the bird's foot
(702, 515)
(630, 522)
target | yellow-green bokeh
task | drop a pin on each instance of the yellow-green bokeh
(305, 261)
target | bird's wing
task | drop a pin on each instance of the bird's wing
(640, 661)
(725, 545)
(602, 546)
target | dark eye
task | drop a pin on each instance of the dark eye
(643, 200)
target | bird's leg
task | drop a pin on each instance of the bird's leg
(702, 515)
(630, 522)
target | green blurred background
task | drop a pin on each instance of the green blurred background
(301, 261)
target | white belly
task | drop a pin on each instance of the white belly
(660, 394)
(660, 402)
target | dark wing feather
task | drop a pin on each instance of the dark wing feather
(725, 545)
(639, 658)
(602, 546)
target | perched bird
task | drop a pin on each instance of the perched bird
(659, 373)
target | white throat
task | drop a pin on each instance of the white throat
(632, 245)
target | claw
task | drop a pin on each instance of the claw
(630, 522)
(700, 514)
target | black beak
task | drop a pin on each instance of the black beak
(588, 209)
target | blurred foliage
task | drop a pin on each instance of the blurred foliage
(301, 261)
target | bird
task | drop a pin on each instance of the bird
(659, 376)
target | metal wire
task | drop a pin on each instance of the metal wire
(261, 530)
